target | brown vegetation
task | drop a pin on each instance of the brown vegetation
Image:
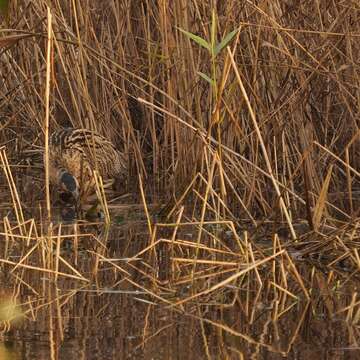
(254, 151)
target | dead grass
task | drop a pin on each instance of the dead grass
(255, 173)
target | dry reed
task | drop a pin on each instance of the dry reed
(249, 153)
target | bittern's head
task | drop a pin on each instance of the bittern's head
(69, 185)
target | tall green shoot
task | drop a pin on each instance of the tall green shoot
(214, 48)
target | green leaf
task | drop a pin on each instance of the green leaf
(4, 4)
(225, 41)
(207, 78)
(199, 40)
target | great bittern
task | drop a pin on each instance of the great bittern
(73, 156)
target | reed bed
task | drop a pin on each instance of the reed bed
(239, 121)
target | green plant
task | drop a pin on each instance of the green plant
(214, 47)
(4, 5)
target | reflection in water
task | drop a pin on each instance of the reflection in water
(114, 292)
(68, 214)
(105, 325)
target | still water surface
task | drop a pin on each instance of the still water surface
(124, 309)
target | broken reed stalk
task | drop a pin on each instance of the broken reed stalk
(231, 278)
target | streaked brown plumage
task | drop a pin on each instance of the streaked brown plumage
(75, 153)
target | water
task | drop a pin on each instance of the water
(99, 292)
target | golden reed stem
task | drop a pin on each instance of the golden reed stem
(47, 111)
